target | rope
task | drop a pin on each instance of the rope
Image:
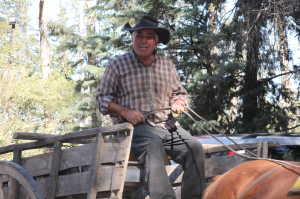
(246, 156)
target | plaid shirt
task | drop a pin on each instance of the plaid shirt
(131, 84)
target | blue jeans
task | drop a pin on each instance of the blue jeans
(151, 144)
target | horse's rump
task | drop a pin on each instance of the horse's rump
(275, 184)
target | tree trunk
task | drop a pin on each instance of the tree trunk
(44, 38)
(284, 62)
(26, 43)
(251, 83)
(232, 113)
(91, 17)
(212, 31)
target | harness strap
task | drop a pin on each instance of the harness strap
(261, 177)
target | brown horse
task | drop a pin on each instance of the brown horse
(275, 184)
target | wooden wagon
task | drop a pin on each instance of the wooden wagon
(98, 167)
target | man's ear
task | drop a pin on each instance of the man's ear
(157, 41)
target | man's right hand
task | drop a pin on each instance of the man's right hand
(132, 116)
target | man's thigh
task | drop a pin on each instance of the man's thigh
(144, 136)
(179, 144)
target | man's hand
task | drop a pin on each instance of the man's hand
(133, 116)
(178, 106)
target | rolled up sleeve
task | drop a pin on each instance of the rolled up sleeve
(106, 90)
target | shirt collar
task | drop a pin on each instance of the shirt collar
(156, 55)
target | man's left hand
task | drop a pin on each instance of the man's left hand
(178, 106)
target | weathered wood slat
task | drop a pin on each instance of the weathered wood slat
(6, 191)
(14, 185)
(85, 134)
(77, 183)
(265, 149)
(32, 136)
(40, 136)
(124, 163)
(133, 176)
(1, 187)
(54, 170)
(272, 145)
(71, 157)
(259, 149)
(220, 165)
(95, 167)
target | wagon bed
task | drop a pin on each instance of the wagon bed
(98, 168)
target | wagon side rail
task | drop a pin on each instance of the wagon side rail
(99, 166)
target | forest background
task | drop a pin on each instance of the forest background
(238, 60)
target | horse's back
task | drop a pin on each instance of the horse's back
(275, 184)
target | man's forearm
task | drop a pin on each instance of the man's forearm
(116, 109)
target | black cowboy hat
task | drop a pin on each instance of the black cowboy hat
(149, 22)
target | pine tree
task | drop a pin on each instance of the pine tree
(227, 65)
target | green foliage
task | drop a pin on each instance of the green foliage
(28, 102)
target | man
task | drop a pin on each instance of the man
(141, 81)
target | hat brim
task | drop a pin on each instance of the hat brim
(163, 33)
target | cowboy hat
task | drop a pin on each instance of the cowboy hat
(149, 22)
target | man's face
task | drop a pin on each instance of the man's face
(144, 43)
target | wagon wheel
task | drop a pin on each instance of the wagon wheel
(22, 176)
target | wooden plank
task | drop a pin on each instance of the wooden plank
(220, 165)
(175, 173)
(42, 164)
(77, 183)
(265, 149)
(32, 136)
(54, 170)
(5, 192)
(14, 185)
(95, 167)
(272, 145)
(1, 187)
(41, 136)
(5, 178)
(85, 134)
(133, 176)
(124, 164)
(259, 149)
(70, 158)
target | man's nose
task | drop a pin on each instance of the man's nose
(143, 39)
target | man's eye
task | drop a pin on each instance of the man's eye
(150, 37)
